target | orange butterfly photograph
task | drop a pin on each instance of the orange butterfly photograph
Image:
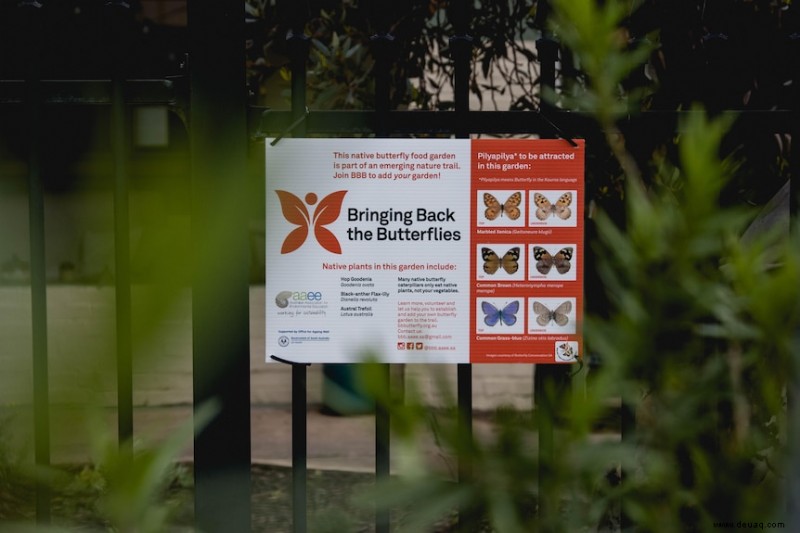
(496, 210)
(545, 208)
(492, 262)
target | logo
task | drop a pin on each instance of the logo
(567, 351)
(283, 341)
(309, 296)
(326, 212)
(282, 299)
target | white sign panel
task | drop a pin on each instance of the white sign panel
(423, 250)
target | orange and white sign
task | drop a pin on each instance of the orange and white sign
(424, 250)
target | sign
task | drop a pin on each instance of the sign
(424, 250)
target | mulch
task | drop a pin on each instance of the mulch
(336, 503)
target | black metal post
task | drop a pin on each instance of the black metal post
(299, 448)
(382, 43)
(546, 376)
(793, 389)
(547, 47)
(627, 433)
(120, 19)
(298, 46)
(32, 12)
(542, 388)
(383, 449)
(221, 259)
(466, 514)
(461, 48)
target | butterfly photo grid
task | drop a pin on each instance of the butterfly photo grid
(500, 262)
(552, 315)
(553, 208)
(500, 316)
(556, 261)
(505, 207)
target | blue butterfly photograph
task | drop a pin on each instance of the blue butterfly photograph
(504, 316)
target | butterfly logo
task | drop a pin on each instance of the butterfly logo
(326, 212)
(558, 315)
(507, 315)
(495, 209)
(560, 209)
(545, 261)
(566, 352)
(492, 262)
(282, 299)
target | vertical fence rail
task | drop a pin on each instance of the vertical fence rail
(461, 46)
(299, 448)
(299, 47)
(382, 47)
(545, 376)
(32, 15)
(793, 393)
(221, 259)
(118, 13)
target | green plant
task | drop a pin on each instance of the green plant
(129, 480)
(342, 72)
(697, 337)
(123, 488)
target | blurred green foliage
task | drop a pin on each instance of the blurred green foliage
(342, 71)
(697, 339)
(123, 488)
(696, 334)
(341, 55)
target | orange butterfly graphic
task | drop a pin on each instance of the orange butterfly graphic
(326, 212)
(495, 209)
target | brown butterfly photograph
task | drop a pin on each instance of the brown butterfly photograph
(559, 314)
(493, 262)
(560, 208)
(545, 261)
(509, 209)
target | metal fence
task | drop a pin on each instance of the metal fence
(221, 127)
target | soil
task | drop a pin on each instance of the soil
(332, 503)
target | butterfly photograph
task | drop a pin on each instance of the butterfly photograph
(499, 313)
(554, 208)
(506, 212)
(494, 263)
(554, 313)
(556, 259)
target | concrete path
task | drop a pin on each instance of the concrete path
(334, 442)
